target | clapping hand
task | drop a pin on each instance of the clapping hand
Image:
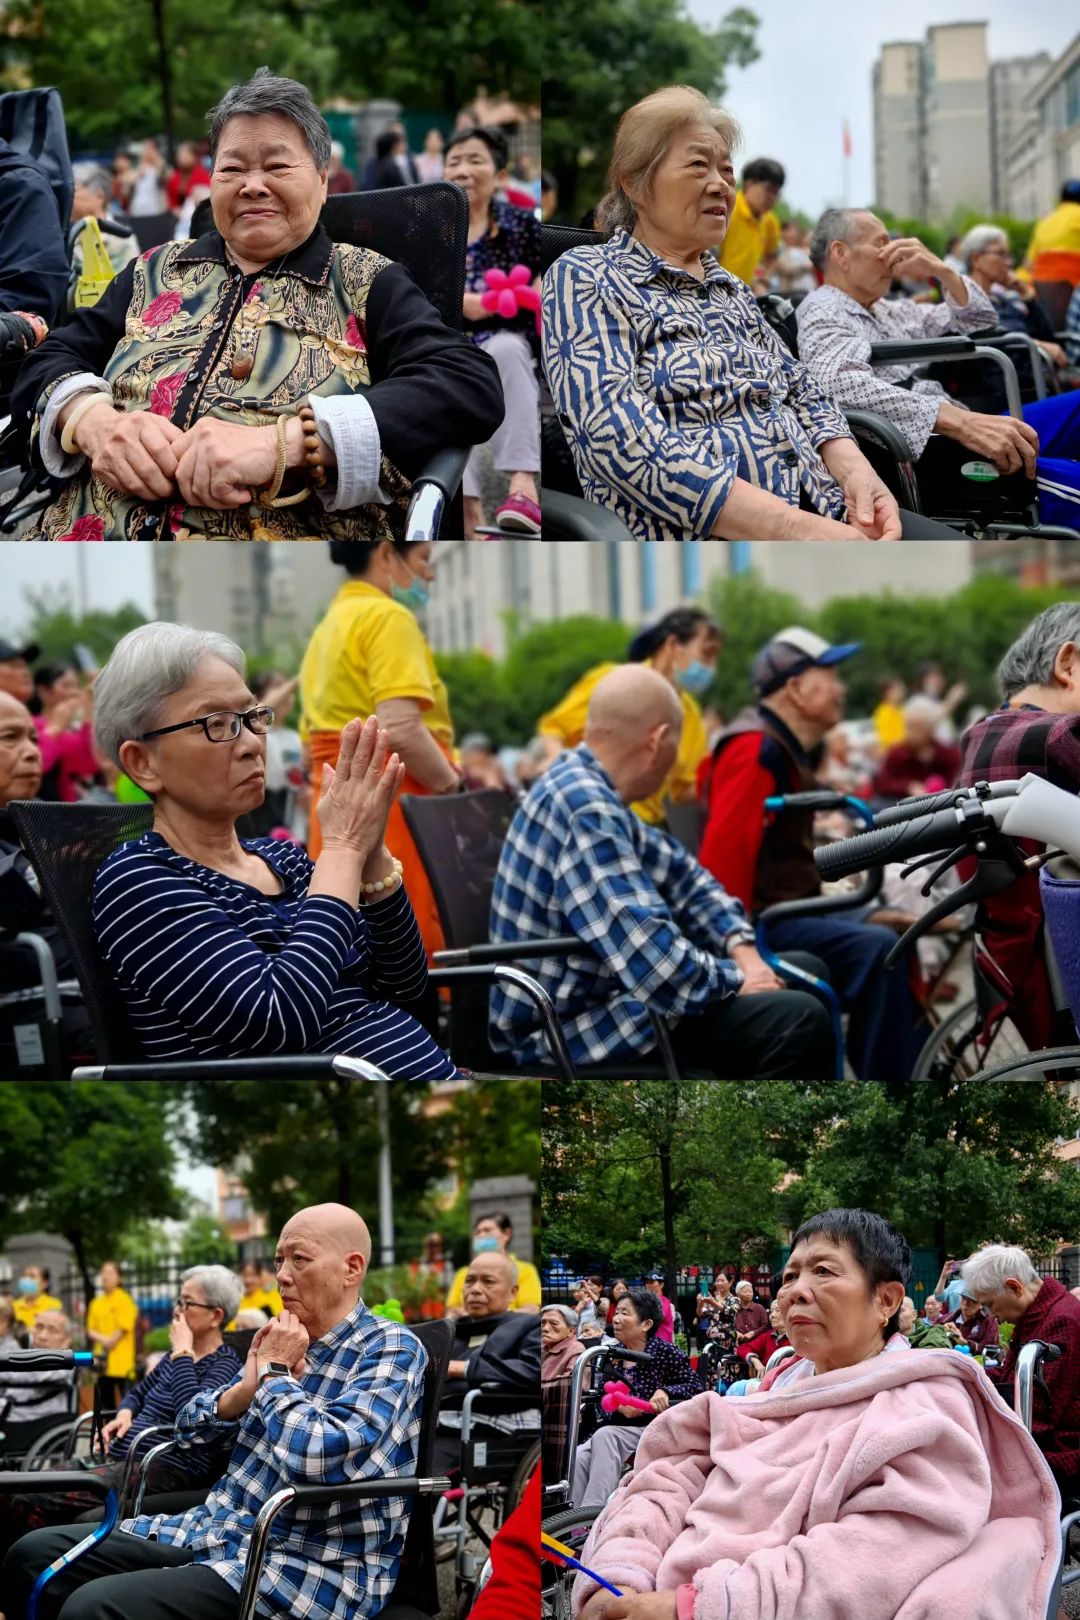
(357, 794)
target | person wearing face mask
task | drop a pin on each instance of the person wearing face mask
(775, 747)
(493, 1234)
(683, 646)
(32, 1295)
(368, 656)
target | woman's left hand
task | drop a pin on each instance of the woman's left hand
(632, 1606)
(222, 464)
(659, 1400)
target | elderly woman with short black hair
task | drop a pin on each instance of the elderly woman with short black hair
(684, 412)
(228, 947)
(260, 383)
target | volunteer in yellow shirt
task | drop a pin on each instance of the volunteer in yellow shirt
(260, 1294)
(110, 1326)
(31, 1298)
(369, 656)
(683, 646)
(1054, 250)
(491, 1232)
(752, 238)
(889, 722)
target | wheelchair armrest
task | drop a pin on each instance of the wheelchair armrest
(825, 904)
(946, 347)
(302, 1066)
(153, 1431)
(65, 1479)
(511, 950)
(433, 491)
(503, 971)
(572, 518)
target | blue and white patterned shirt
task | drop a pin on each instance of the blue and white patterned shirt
(669, 388)
(354, 1415)
(835, 335)
(654, 925)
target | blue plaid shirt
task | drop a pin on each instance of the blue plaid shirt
(654, 925)
(355, 1414)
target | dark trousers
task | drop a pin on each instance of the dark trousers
(124, 1578)
(779, 1035)
(884, 1038)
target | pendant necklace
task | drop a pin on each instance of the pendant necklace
(246, 332)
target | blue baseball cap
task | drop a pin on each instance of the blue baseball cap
(792, 651)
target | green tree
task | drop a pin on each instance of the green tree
(206, 1242)
(544, 663)
(53, 623)
(474, 687)
(750, 613)
(600, 59)
(489, 1129)
(91, 1162)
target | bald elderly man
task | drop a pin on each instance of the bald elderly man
(330, 1394)
(656, 930)
(493, 1344)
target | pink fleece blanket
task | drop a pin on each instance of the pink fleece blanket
(899, 1489)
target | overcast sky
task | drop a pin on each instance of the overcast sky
(815, 70)
(107, 575)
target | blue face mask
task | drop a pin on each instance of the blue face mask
(28, 1285)
(485, 1245)
(415, 596)
(696, 678)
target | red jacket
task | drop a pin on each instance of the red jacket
(1053, 1315)
(180, 186)
(902, 768)
(513, 1589)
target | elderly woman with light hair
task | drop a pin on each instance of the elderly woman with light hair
(93, 189)
(1003, 1278)
(198, 1359)
(684, 412)
(262, 382)
(221, 946)
(987, 258)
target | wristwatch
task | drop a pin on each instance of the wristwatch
(274, 1369)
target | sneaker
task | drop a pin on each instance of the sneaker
(518, 514)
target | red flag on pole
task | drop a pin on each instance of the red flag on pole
(847, 139)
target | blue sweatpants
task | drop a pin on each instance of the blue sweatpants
(1057, 474)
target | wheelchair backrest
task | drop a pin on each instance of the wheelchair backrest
(66, 844)
(32, 121)
(417, 1584)
(424, 228)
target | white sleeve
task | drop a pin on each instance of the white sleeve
(347, 423)
(55, 460)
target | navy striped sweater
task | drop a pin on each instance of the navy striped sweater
(209, 967)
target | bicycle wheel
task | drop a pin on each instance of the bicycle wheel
(572, 1529)
(956, 1051)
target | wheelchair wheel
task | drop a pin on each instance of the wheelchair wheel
(572, 1529)
(955, 1051)
(522, 1474)
(48, 1450)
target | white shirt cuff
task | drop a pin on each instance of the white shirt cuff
(55, 460)
(347, 423)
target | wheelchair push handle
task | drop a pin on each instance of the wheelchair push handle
(906, 808)
(820, 799)
(940, 829)
(48, 1360)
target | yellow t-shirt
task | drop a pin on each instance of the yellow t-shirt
(366, 649)
(528, 1288)
(567, 722)
(107, 1314)
(260, 1299)
(749, 240)
(27, 1311)
(889, 724)
(1055, 240)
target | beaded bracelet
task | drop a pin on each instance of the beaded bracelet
(312, 443)
(272, 495)
(386, 885)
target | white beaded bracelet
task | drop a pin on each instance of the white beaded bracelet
(385, 885)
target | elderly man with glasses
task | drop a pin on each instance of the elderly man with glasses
(228, 947)
(198, 1360)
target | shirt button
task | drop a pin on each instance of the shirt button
(217, 326)
(791, 458)
(760, 398)
(193, 376)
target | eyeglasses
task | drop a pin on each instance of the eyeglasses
(193, 1305)
(224, 726)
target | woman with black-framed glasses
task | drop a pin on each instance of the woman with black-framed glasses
(229, 947)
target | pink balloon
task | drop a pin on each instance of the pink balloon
(507, 304)
(520, 275)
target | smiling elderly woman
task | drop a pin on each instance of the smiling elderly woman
(228, 947)
(684, 412)
(863, 1479)
(260, 383)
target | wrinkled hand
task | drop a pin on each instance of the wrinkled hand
(909, 257)
(660, 1401)
(180, 1335)
(286, 1340)
(632, 1606)
(357, 794)
(67, 713)
(1054, 351)
(871, 505)
(456, 1369)
(221, 464)
(130, 451)
(758, 977)
(118, 1427)
(1010, 445)
(472, 307)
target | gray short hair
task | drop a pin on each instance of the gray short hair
(147, 666)
(265, 93)
(835, 225)
(1030, 659)
(977, 240)
(567, 1312)
(94, 177)
(985, 1271)
(222, 1287)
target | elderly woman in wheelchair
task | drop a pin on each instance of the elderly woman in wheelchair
(862, 1479)
(684, 412)
(261, 382)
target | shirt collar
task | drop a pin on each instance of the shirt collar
(594, 767)
(644, 265)
(358, 1318)
(811, 759)
(311, 261)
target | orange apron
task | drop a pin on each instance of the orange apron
(324, 751)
